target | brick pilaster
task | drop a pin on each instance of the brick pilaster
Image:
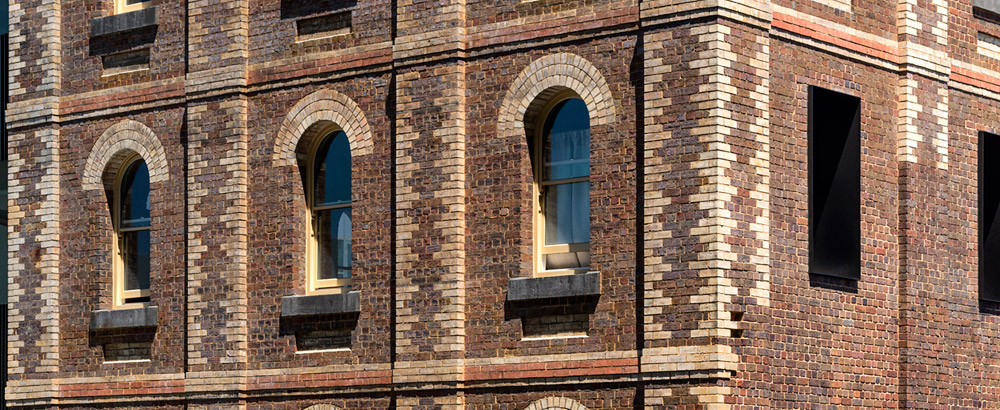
(706, 191)
(430, 238)
(33, 332)
(925, 222)
(217, 202)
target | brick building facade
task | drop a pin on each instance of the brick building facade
(698, 294)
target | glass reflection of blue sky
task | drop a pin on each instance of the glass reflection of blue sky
(333, 171)
(332, 182)
(135, 196)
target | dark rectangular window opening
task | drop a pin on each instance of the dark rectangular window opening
(834, 184)
(989, 223)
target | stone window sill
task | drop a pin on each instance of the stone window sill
(313, 305)
(528, 289)
(125, 22)
(144, 317)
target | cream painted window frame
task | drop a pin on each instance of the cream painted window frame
(539, 187)
(315, 285)
(122, 6)
(118, 266)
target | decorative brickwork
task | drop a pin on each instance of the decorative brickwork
(115, 144)
(699, 194)
(555, 403)
(316, 109)
(547, 76)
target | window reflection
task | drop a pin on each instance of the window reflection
(331, 212)
(133, 233)
(565, 186)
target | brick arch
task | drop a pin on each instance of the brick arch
(548, 75)
(322, 407)
(117, 143)
(322, 106)
(556, 403)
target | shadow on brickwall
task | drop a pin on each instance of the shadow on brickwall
(124, 41)
(832, 283)
(294, 9)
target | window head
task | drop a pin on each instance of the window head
(132, 228)
(562, 185)
(329, 215)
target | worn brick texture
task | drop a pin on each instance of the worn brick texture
(699, 204)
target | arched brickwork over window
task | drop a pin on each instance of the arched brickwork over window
(556, 403)
(313, 112)
(118, 143)
(323, 407)
(548, 76)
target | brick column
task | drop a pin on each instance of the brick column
(33, 206)
(217, 203)
(706, 192)
(924, 218)
(430, 200)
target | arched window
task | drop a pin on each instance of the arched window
(562, 180)
(125, 6)
(329, 197)
(131, 223)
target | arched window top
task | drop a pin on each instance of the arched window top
(135, 195)
(332, 170)
(567, 141)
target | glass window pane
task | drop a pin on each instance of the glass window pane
(135, 196)
(566, 150)
(135, 252)
(333, 234)
(333, 171)
(567, 213)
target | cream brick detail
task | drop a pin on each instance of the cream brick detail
(323, 407)
(322, 106)
(125, 137)
(556, 71)
(556, 403)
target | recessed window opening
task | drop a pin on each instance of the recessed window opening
(834, 184)
(132, 228)
(562, 223)
(989, 218)
(330, 214)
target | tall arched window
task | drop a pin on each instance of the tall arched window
(329, 186)
(562, 180)
(131, 222)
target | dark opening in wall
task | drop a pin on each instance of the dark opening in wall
(330, 25)
(129, 61)
(834, 184)
(989, 223)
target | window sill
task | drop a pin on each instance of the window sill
(992, 6)
(526, 289)
(330, 304)
(119, 23)
(124, 318)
